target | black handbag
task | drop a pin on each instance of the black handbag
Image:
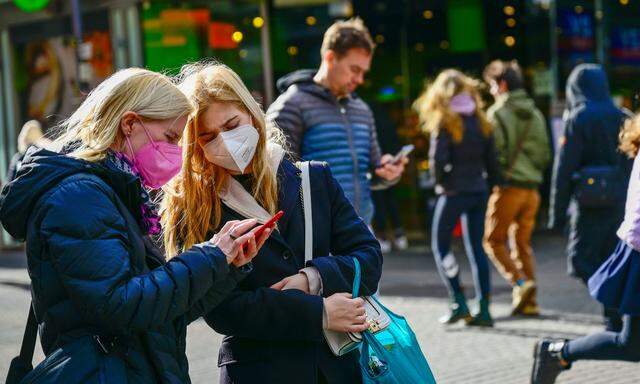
(599, 186)
(83, 359)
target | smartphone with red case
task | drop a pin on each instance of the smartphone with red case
(269, 224)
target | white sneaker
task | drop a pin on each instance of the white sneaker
(401, 243)
(385, 246)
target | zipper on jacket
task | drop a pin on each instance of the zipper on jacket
(354, 157)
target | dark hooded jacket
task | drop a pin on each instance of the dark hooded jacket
(341, 132)
(592, 124)
(93, 271)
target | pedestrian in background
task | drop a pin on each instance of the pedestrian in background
(616, 284)
(235, 167)
(30, 135)
(463, 161)
(323, 118)
(588, 159)
(108, 306)
(524, 153)
(387, 210)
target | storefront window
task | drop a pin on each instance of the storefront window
(46, 62)
(176, 33)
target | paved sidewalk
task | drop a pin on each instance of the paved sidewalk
(412, 287)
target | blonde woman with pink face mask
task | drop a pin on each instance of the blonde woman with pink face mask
(109, 306)
(236, 169)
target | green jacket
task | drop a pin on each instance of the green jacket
(510, 116)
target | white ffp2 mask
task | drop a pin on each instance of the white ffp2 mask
(233, 149)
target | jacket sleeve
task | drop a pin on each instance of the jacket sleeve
(285, 115)
(494, 176)
(567, 162)
(88, 240)
(269, 314)
(500, 139)
(542, 155)
(350, 238)
(218, 292)
(440, 155)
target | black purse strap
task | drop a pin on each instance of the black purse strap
(29, 338)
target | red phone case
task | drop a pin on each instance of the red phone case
(269, 224)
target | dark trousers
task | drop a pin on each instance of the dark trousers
(470, 208)
(592, 239)
(386, 207)
(623, 345)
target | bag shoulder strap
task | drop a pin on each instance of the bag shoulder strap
(355, 292)
(306, 204)
(29, 339)
(308, 226)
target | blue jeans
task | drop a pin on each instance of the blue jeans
(470, 208)
(623, 345)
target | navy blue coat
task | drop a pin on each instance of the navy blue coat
(276, 336)
(591, 127)
(470, 166)
(93, 272)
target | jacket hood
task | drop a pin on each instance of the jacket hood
(41, 171)
(303, 76)
(587, 83)
(303, 79)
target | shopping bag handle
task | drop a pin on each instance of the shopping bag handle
(355, 292)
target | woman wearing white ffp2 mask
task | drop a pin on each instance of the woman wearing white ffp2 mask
(233, 149)
(234, 168)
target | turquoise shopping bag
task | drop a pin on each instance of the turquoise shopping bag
(392, 355)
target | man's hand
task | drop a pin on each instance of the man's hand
(299, 281)
(388, 170)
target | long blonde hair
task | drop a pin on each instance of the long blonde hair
(191, 206)
(630, 137)
(433, 105)
(95, 125)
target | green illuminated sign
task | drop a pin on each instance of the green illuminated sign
(31, 5)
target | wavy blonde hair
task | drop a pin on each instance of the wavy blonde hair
(191, 206)
(95, 125)
(433, 105)
(630, 137)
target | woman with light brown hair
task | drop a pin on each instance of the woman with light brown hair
(463, 162)
(235, 168)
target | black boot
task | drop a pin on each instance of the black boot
(548, 362)
(612, 320)
(458, 310)
(483, 317)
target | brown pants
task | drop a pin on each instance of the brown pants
(511, 216)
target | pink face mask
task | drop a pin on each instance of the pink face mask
(157, 162)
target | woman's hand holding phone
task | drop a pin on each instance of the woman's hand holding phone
(238, 241)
